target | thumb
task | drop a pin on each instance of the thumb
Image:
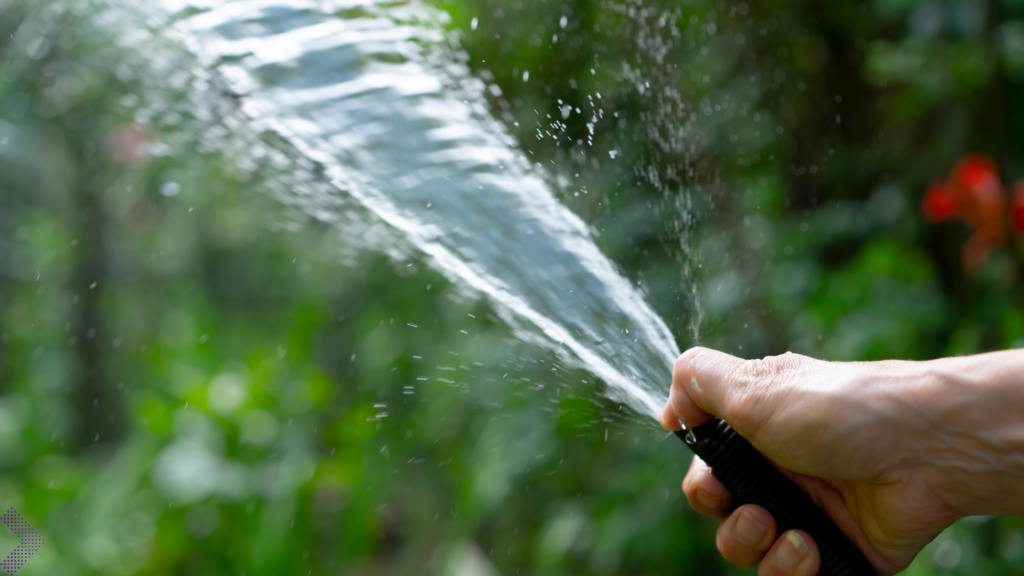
(707, 383)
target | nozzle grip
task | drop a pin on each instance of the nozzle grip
(751, 479)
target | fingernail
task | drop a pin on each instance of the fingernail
(708, 500)
(750, 530)
(792, 550)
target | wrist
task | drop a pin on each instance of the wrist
(972, 418)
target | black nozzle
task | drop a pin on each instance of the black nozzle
(751, 479)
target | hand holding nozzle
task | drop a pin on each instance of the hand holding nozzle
(871, 444)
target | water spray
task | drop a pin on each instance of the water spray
(350, 125)
(751, 479)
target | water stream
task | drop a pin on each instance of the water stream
(395, 135)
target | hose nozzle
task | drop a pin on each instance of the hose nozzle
(752, 479)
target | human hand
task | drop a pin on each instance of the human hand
(893, 452)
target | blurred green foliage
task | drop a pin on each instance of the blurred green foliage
(191, 380)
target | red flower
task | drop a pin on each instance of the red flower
(974, 193)
(1018, 206)
(974, 169)
(977, 176)
(940, 203)
(976, 183)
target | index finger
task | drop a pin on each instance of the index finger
(700, 381)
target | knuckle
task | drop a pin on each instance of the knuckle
(753, 384)
(770, 368)
(682, 364)
(679, 366)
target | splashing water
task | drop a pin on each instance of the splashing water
(410, 160)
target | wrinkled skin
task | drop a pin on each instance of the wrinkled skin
(894, 452)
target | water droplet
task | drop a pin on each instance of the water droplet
(170, 189)
(947, 555)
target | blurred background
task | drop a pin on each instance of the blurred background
(195, 379)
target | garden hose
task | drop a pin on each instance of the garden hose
(751, 479)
